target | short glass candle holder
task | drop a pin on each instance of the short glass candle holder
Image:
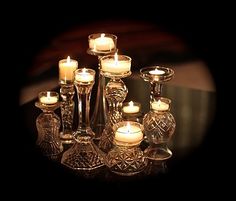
(131, 111)
(126, 158)
(159, 126)
(48, 125)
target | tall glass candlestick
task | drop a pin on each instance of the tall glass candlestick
(159, 123)
(84, 154)
(66, 79)
(126, 158)
(114, 67)
(100, 44)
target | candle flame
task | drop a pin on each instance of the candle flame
(84, 70)
(68, 59)
(131, 103)
(128, 127)
(48, 94)
(116, 58)
(159, 102)
(102, 35)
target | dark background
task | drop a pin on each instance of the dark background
(32, 29)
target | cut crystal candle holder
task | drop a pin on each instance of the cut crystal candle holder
(84, 154)
(159, 126)
(115, 93)
(67, 91)
(100, 44)
(156, 76)
(48, 125)
(126, 158)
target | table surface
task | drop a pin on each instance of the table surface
(194, 112)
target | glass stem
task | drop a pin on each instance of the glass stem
(99, 116)
(67, 107)
(116, 92)
(115, 112)
(84, 93)
(83, 110)
(156, 90)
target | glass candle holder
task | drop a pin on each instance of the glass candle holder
(114, 67)
(126, 158)
(100, 44)
(159, 126)
(48, 125)
(83, 154)
(66, 80)
(131, 111)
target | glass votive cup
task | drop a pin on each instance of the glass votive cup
(84, 76)
(115, 65)
(131, 111)
(102, 43)
(48, 98)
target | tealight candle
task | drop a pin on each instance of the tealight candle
(116, 64)
(159, 105)
(83, 75)
(66, 69)
(157, 72)
(129, 133)
(102, 43)
(49, 98)
(131, 107)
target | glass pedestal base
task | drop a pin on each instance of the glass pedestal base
(158, 152)
(51, 150)
(126, 161)
(83, 155)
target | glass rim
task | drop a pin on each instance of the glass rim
(127, 58)
(124, 123)
(163, 99)
(99, 34)
(88, 70)
(145, 73)
(45, 93)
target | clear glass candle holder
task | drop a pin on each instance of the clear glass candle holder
(48, 125)
(159, 126)
(83, 154)
(100, 44)
(126, 158)
(114, 67)
(67, 91)
(158, 123)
